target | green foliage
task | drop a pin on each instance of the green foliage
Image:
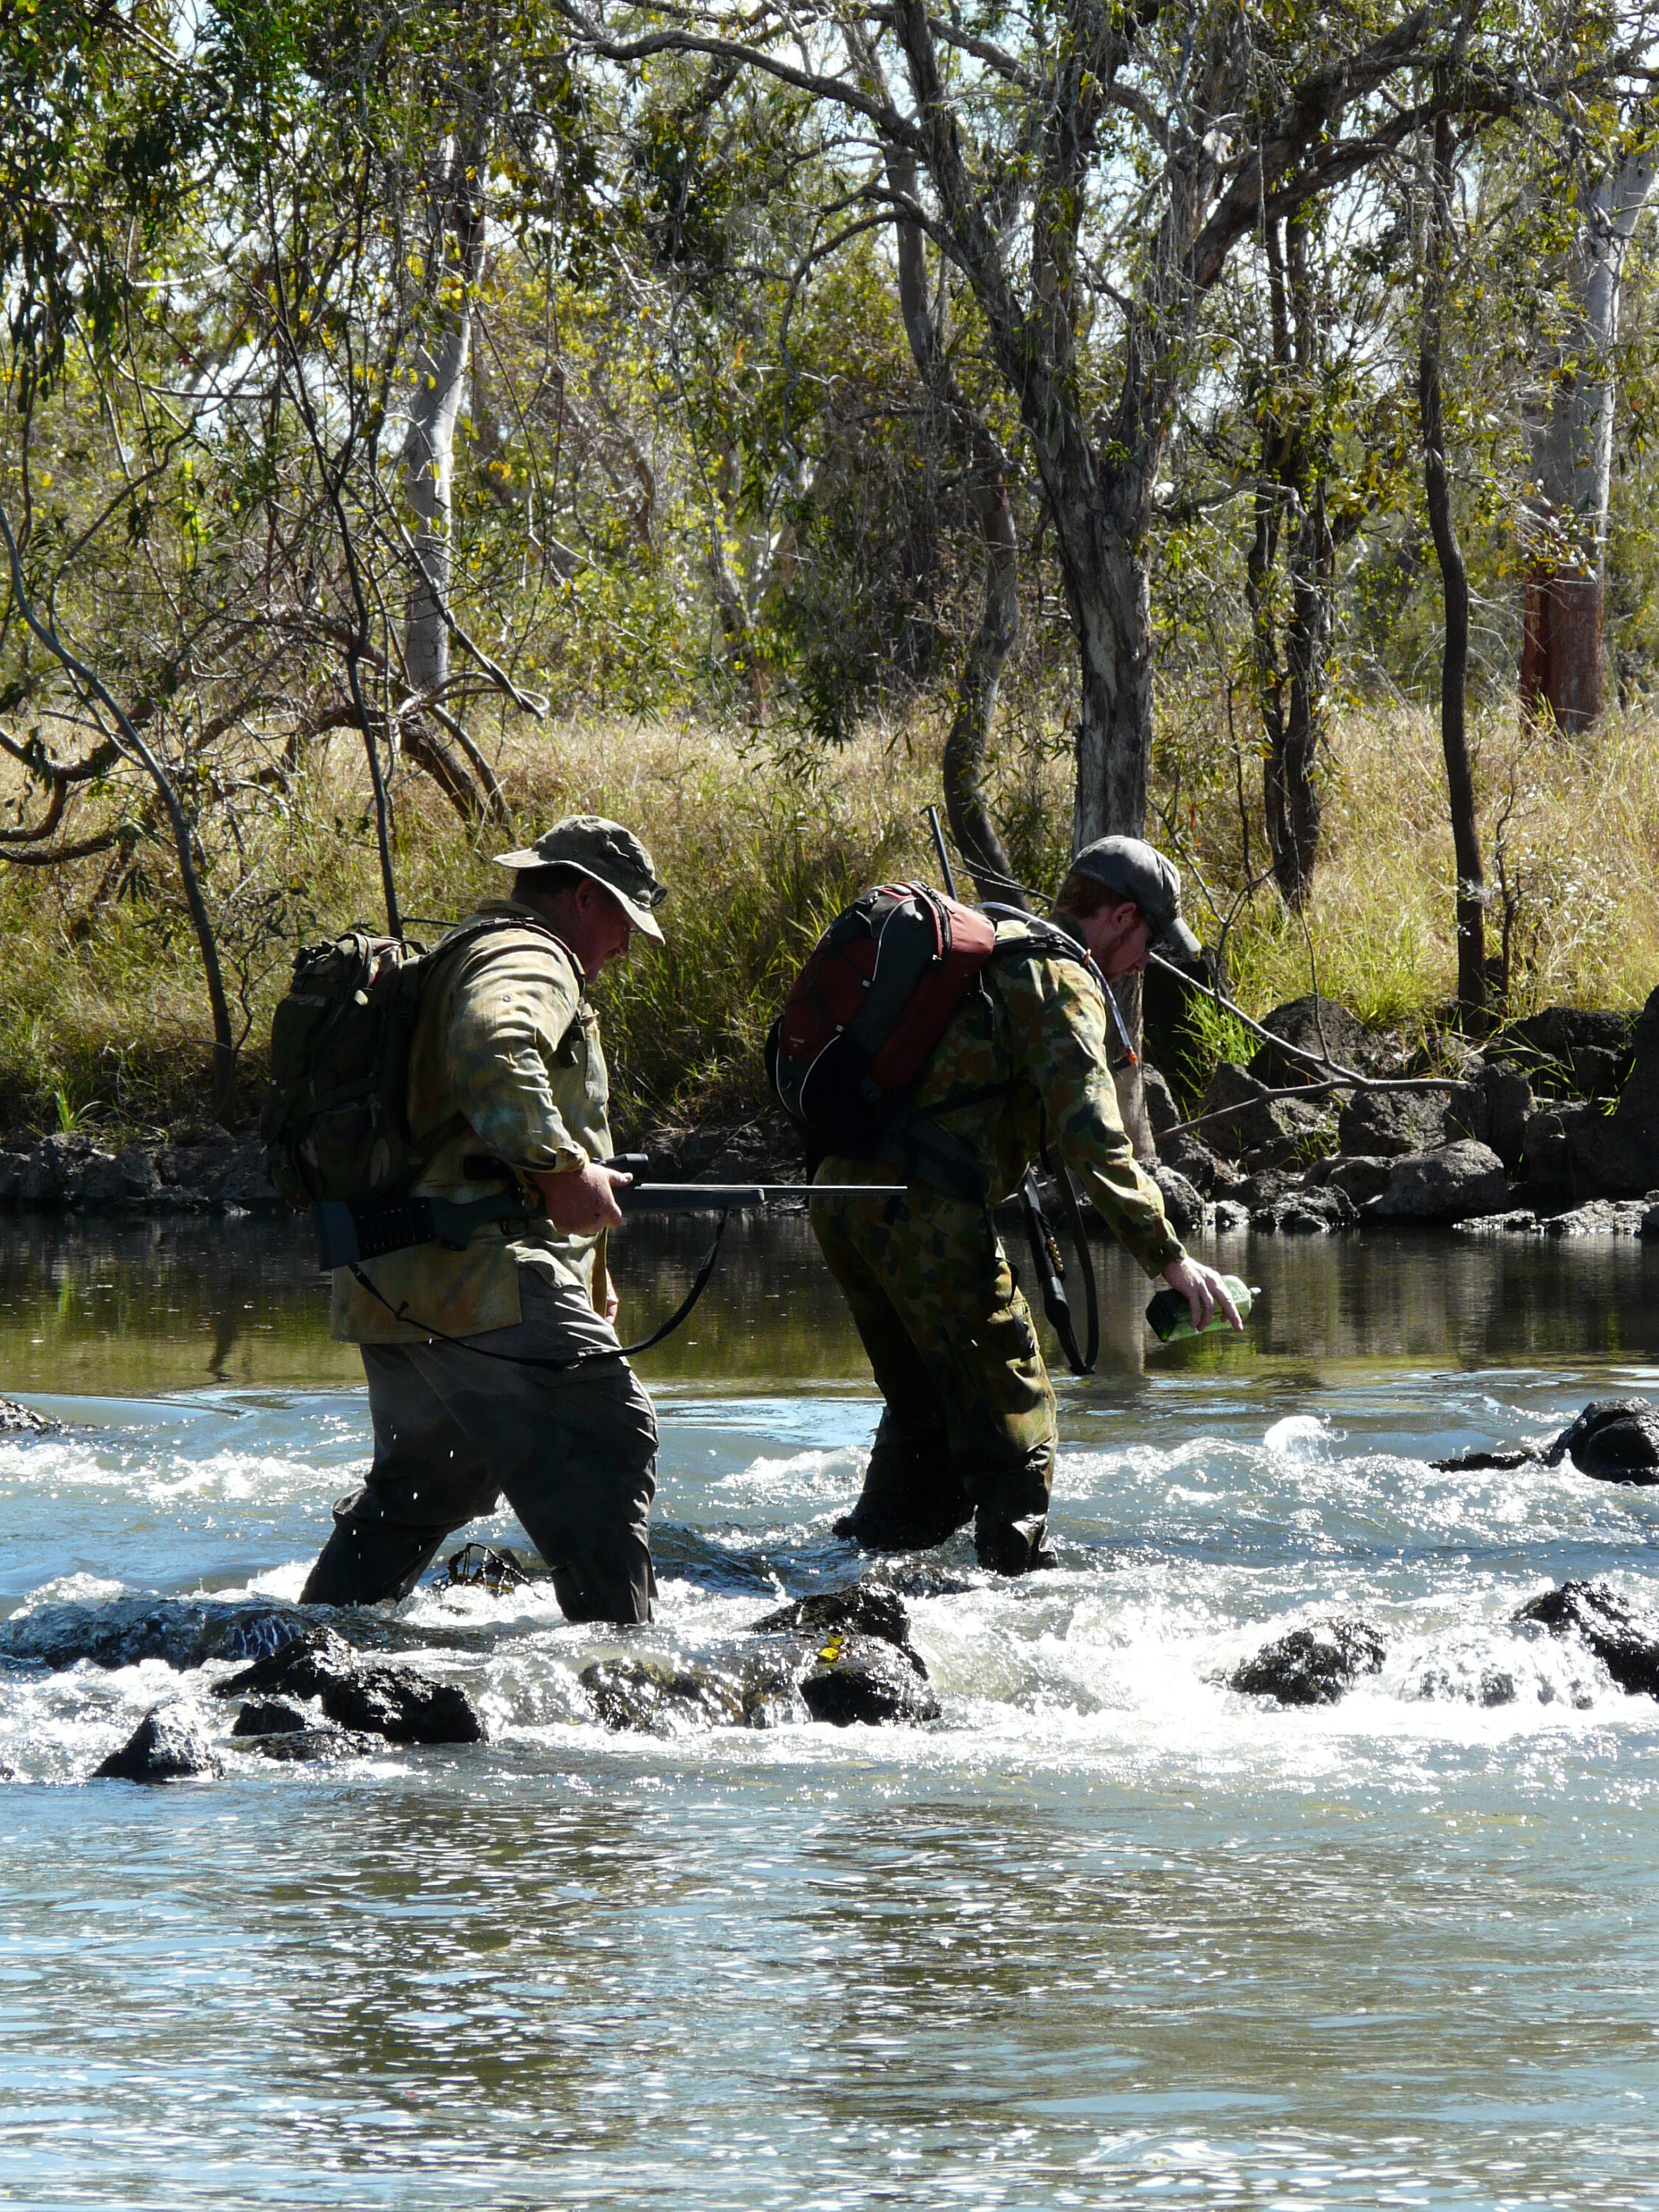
(1211, 1035)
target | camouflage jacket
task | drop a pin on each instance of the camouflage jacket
(1033, 1034)
(506, 1061)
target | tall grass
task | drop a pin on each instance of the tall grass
(102, 1018)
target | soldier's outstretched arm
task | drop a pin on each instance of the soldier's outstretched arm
(1059, 1038)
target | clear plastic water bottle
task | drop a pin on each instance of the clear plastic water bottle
(1169, 1317)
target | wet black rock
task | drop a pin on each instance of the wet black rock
(20, 1420)
(840, 1656)
(270, 1717)
(1626, 1644)
(163, 1747)
(655, 1697)
(863, 1608)
(1485, 1462)
(1312, 1665)
(183, 1632)
(857, 1678)
(392, 1701)
(309, 1745)
(1613, 1439)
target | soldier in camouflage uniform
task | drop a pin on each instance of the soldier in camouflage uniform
(506, 1065)
(967, 1427)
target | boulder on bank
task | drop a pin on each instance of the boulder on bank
(163, 1747)
(1320, 1212)
(1361, 1176)
(362, 1694)
(1183, 1205)
(1387, 1124)
(1577, 1149)
(71, 1172)
(1241, 1122)
(1570, 1048)
(1626, 1644)
(1314, 1666)
(1446, 1184)
(1328, 1031)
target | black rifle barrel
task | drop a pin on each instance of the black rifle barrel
(646, 1197)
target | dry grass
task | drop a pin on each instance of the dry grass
(1577, 825)
(103, 1015)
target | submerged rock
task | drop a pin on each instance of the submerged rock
(163, 1747)
(840, 1656)
(1627, 1646)
(394, 1702)
(485, 1566)
(307, 1744)
(656, 1698)
(20, 1420)
(183, 1632)
(1312, 1665)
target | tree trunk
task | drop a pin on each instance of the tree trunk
(1454, 592)
(1110, 600)
(440, 383)
(1563, 591)
(1291, 487)
(963, 767)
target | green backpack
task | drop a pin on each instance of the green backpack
(335, 1121)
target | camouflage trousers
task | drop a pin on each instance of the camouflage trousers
(574, 1454)
(968, 1426)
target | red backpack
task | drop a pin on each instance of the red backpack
(866, 1011)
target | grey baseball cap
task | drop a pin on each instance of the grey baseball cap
(613, 856)
(1135, 871)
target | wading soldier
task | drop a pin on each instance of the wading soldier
(967, 1427)
(506, 1067)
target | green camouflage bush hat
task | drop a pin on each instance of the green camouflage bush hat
(613, 856)
(1135, 871)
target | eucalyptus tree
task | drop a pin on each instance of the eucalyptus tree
(1608, 161)
(1089, 171)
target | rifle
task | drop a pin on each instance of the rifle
(350, 1230)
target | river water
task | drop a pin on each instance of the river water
(1109, 1934)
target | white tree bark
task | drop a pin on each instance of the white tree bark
(1571, 445)
(440, 385)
